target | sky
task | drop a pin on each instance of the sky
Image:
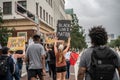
(97, 12)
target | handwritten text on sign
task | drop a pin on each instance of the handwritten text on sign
(16, 43)
(63, 29)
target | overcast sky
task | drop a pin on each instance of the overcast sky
(97, 12)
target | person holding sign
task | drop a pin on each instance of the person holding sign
(60, 59)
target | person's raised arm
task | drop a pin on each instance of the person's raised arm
(68, 45)
(55, 46)
(46, 47)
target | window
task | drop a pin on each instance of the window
(7, 7)
(51, 3)
(49, 19)
(44, 15)
(36, 8)
(52, 21)
(41, 12)
(23, 3)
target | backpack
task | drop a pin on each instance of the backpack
(3, 65)
(103, 64)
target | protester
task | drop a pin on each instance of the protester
(47, 59)
(52, 61)
(60, 60)
(6, 65)
(20, 60)
(99, 61)
(35, 57)
(15, 56)
(67, 57)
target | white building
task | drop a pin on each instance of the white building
(48, 12)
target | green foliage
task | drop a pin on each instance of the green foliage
(77, 34)
(1, 20)
(4, 34)
(115, 43)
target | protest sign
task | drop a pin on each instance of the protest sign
(16, 43)
(50, 38)
(63, 29)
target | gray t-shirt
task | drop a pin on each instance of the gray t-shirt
(34, 53)
(85, 60)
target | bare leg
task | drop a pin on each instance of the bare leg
(63, 77)
(33, 78)
(59, 76)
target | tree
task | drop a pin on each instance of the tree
(1, 20)
(115, 43)
(77, 35)
(4, 32)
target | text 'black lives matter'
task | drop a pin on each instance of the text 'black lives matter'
(63, 29)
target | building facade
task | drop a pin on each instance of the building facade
(47, 11)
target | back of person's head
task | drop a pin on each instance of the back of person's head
(5, 50)
(36, 37)
(98, 35)
(61, 47)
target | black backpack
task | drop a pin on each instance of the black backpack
(103, 64)
(3, 65)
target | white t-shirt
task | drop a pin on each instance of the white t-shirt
(67, 55)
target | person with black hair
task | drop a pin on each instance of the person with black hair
(20, 61)
(52, 60)
(99, 61)
(35, 57)
(16, 55)
(9, 68)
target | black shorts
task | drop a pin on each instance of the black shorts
(35, 73)
(60, 69)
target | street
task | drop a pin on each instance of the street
(24, 74)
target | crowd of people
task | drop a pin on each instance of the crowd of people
(36, 57)
(10, 64)
(93, 60)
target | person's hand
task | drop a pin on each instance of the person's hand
(56, 38)
(69, 39)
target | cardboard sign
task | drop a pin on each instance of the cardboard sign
(16, 43)
(63, 29)
(50, 38)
